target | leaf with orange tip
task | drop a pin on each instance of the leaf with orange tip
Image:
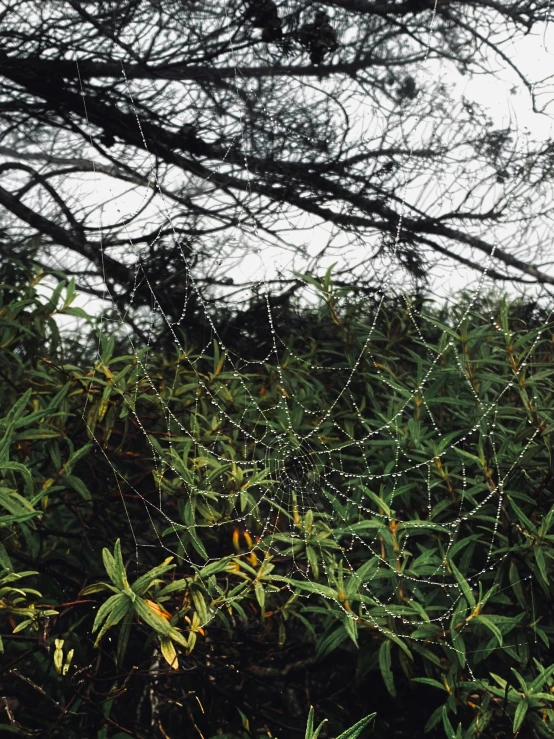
(159, 610)
(236, 539)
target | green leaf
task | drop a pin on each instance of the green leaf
(309, 280)
(433, 720)
(519, 716)
(539, 681)
(76, 457)
(541, 564)
(123, 638)
(214, 568)
(381, 504)
(529, 527)
(312, 560)
(448, 728)
(109, 566)
(310, 733)
(459, 646)
(351, 628)
(311, 587)
(429, 681)
(106, 608)
(330, 642)
(96, 587)
(18, 467)
(420, 527)
(79, 313)
(491, 626)
(196, 542)
(200, 603)
(357, 729)
(5, 561)
(119, 566)
(168, 652)
(521, 680)
(515, 582)
(141, 585)
(117, 611)
(464, 585)
(398, 641)
(385, 664)
(260, 596)
(79, 486)
(159, 624)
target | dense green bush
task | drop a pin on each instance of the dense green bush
(361, 517)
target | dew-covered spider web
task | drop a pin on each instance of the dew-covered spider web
(290, 476)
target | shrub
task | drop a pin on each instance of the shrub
(213, 543)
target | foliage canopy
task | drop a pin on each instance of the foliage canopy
(168, 565)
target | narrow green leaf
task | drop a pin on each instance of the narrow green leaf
(464, 585)
(515, 582)
(351, 628)
(357, 729)
(385, 664)
(310, 724)
(330, 642)
(168, 652)
(119, 566)
(106, 608)
(118, 610)
(123, 638)
(519, 716)
(109, 566)
(429, 681)
(141, 585)
(491, 626)
(459, 646)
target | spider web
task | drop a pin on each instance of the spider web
(300, 478)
